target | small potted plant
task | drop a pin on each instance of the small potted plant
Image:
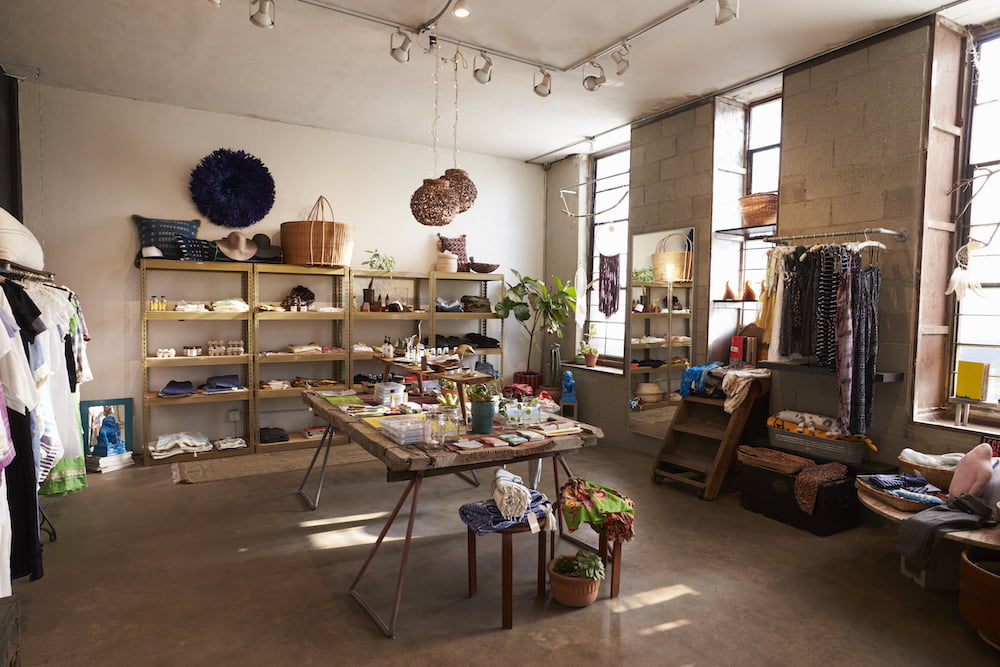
(377, 261)
(481, 399)
(575, 580)
(588, 351)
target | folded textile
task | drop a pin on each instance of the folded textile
(484, 517)
(479, 340)
(736, 384)
(809, 422)
(233, 305)
(693, 378)
(809, 479)
(511, 495)
(931, 460)
(302, 349)
(176, 388)
(270, 434)
(172, 444)
(602, 507)
(218, 383)
(889, 482)
(230, 443)
(919, 535)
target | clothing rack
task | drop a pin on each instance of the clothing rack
(900, 235)
(17, 271)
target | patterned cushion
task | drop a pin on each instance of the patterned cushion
(196, 250)
(163, 234)
(457, 247)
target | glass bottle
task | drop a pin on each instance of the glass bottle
(435, 431)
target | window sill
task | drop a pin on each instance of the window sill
(599, 369)
(978, 423)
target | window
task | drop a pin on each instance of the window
(763, 146)
(608, 237)
(977, 327)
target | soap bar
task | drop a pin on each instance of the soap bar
(494, 442)
(531, 435)
(513, 439)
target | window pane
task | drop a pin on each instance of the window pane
(765, 124)
(985, 132)
(988, 77)
(764, 170)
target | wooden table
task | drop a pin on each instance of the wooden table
(988, 538)
(411, 464)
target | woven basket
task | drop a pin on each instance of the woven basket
(939, 477)
(672, 265)
(902, 504)
(759, 209)
(771, 459)
(317, 241)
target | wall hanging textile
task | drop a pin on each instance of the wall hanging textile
(601, 507)
(232, 188)
(609, 286)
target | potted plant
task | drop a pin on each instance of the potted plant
(575, 580)
(588, 351)
(536, 308)
(483, 406)
(377, 261)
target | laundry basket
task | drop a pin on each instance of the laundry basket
(672, 265)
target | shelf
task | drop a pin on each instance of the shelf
(181, 265)
(665, 369)
(152, 398)
(298, 440)
(421, 315)
(387, 275)
(662, 314)
(287, 357)
(465, 275)
(196, 315)
(203, 360)
(662, 283)
(799, 367)
(295, 269)
(290, 316)
(200, 456)
(735, 303)
(280, 393)
(466, 316)
(749, 233)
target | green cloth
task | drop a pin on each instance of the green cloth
(605, 509)
(67, 476)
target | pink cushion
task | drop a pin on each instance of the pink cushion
(973, 472)
(457, 246)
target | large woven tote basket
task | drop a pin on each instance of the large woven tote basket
(672, 265)
(318, 241)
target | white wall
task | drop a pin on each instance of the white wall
(90, 161)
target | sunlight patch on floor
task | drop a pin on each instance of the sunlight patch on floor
(663, 627)
(354, 518)
(647, 598)
(346, 537)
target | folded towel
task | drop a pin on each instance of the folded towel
(931, 460)
(484, 517)
(511, 495)
(177, 388)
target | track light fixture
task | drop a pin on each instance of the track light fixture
(401, 53)
(217, 3)
(620, 56)
(544, 87)
(264, 16)
(484, 73)
(461, 10)
(726, 11)
(592, 82)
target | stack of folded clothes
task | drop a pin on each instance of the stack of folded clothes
(177, 388)
(179, 443)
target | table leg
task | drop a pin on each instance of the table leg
(390, 628)
(461, 399)
(327, 439)
(507, 579)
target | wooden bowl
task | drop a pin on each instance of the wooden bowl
(482, 267)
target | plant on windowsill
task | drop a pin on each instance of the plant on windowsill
(575, 580)
(588, 351)
(537, 308)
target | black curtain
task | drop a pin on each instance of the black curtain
(10, 153)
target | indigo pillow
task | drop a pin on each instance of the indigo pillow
(455, 246)
(163, 234)
(197, 250)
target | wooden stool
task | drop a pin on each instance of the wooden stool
(507, 567)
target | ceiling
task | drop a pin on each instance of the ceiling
(329, 69)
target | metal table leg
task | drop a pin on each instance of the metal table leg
(390, 628)
(327, 439)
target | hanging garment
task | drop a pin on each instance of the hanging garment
(833, 260)
(845, 347)
(609, 287)
(867, 286)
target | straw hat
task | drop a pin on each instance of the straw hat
(237, 246)
(649, 392)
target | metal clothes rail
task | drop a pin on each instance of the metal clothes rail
(900, 235)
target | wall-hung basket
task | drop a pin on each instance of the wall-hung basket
(318, 241)
(672, 265)
(759, 209)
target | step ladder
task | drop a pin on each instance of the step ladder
(701, 443)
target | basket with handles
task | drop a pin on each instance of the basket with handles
(318, 241)
(672, 265)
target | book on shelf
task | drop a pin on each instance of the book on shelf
(109, 463)
(743, 350)
(972, 380)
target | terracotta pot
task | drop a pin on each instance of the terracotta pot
(979, 589)
(590, 359)
(572, 591)
(531, 378)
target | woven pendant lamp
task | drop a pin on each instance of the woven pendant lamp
(463, 186)
(434, 203)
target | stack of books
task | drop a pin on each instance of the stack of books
(743, 350)
(109, 463)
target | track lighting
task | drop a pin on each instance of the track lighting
(544, 88)
(620, 56)
(726, 11)
(461, 10)
(401, 53)
(592, 82)
(264, 16)
(485, 73)
(217, 3)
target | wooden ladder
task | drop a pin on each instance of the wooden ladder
(701, 443)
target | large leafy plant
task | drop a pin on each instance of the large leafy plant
(536, 307)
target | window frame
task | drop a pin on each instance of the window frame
(750, 152)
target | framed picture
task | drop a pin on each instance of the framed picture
(107, 426)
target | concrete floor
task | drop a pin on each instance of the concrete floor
(146, 572)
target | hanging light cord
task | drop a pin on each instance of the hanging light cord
(454, 128)
(437, 94)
